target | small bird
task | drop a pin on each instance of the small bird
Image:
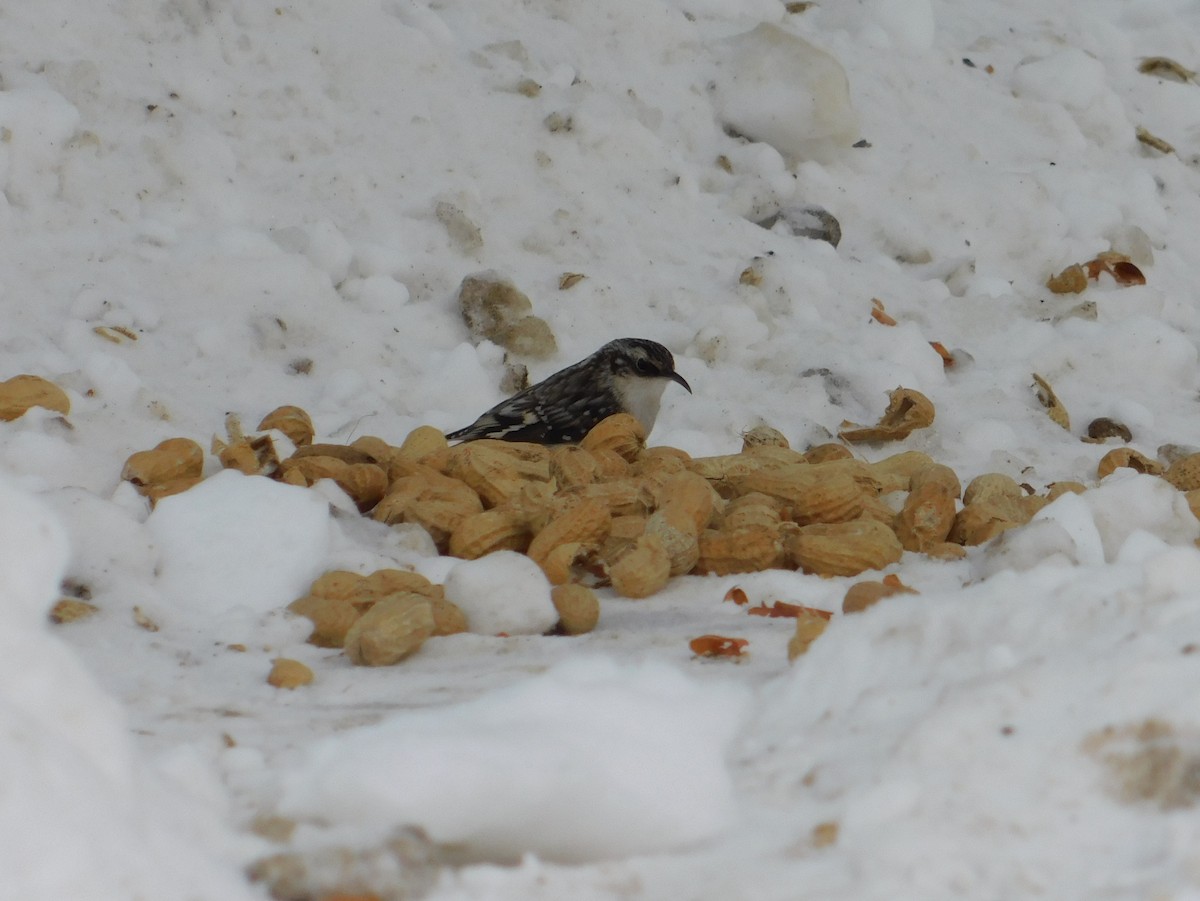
(627, 375)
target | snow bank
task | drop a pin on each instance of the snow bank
(590, 760)
(993, 712)
(80, 815)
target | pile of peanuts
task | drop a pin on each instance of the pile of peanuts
(612, 511)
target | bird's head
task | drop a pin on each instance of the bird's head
(639, 358)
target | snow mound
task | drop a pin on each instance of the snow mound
(238, 542)
(586, 762)
(80, 817)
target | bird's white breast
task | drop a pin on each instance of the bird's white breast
(640, 397)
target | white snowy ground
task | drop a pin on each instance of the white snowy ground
(251, 188)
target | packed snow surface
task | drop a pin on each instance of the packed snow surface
(215, 208)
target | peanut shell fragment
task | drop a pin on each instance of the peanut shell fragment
(286, 673)
(21, 392)
(1048, 399)
(292, 421)
(809, 627)
(171, 466)
(1129, 458)
(907, 411)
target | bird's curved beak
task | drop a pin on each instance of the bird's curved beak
(676, 377)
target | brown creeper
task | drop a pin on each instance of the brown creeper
(627, 375)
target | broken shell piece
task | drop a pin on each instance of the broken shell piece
(1116, 264)
(21, 392)
(170, 464)
(287, 673)
(1129, 458)
(68, 610)
(1165, 67)
(1145, 136)
(1072, 280)
(1101, 429)
(879, 314)
(717, 646)
(252, 456)
(809, 627)
(907, 411)
(862, 595)
(292, 421)
(1049, 400)
(365, 483)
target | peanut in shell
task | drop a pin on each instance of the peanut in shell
(743, 550)
(620, 433)
(984, 487)
(643, 570)
(578, 608)
(586, 523)
(498, 529)
(843, 549)
(390, 631)
(926, 517)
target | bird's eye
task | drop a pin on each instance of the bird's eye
(643, 366)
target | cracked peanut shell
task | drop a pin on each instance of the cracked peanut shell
(292, 421)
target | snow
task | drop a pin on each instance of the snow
(235, 541)
(78, 816)
(280, 202)
(504, 592)
(579, 763)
